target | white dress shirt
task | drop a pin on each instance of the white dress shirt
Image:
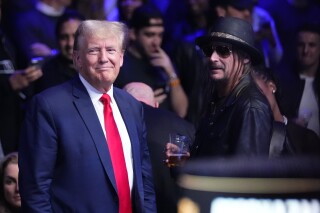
(309, 108)
(95, 96)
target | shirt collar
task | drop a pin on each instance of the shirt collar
(95, 94)
(307, 78)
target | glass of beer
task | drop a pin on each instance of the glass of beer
(177, 150)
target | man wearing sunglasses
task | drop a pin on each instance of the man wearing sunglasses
(238, 118)
(266, 36)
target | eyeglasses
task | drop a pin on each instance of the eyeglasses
(222, 51)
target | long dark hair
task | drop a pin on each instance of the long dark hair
(209, 85)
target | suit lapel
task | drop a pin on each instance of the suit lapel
(86, 110)
(128, 118)
(131, 126)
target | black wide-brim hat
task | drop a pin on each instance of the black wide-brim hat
(234, 31)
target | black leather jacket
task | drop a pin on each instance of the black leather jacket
(240, 126)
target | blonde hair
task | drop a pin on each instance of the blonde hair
(102, 29)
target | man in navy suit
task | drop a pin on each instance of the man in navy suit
(65, 164)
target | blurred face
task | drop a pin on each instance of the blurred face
(99, 60)
(64, 3)
(11, 188)
(128, 6)
(66, 37)
(308, 49)
(150, 39)
(245, 14)
(198, 6)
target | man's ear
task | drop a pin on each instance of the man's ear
(220, 11)
(246, 60)
(272, 86)
(76, 59)
(121, 58)
(74, 56)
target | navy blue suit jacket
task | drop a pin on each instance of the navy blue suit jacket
(64, 160)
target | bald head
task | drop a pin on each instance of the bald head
(142, 92)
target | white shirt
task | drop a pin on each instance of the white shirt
(95, 96)
(309, 106)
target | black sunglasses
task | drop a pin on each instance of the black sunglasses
(222, 50)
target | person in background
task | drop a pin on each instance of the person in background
(300, 80)
(90, 153)
(96, 9)
(289, 15)
(142, 92)
(290, 138)
(196, 23)
(266, 36)
(185, 21)
(127, 7)
(187, 57)
(60, 68)
(11, 10)
(160, 123)
(10, 201)
(34, 34)
(14, 85)
(237, 120)
(111, 10)
(145, 61)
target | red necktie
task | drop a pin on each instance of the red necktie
(117, 156)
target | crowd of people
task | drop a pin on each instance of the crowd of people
(91, 90)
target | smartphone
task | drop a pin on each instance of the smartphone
(37, 61)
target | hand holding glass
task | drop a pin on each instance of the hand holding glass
(177, 150)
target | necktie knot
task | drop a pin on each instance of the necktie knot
(105, 98)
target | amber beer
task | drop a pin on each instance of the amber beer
(177, 150)
(177, 159)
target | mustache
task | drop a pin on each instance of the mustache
(213, 66)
